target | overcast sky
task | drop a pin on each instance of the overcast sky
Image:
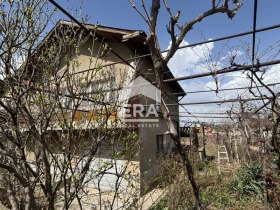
(202, 58)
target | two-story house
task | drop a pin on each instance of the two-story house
(96, 89)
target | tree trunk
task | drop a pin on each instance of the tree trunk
(189, 170)
(187, 163)
(51, 202)
(12, 198)
(160, 66)
(30, 200)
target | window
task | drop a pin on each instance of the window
(104, 90)
(66, 99)
(101, 90)
(158, 102)
(161, 144)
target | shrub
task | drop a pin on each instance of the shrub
(162, 204)
(248, 181)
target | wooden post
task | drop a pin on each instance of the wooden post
(203, 141)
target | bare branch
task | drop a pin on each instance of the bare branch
(154, 15)
(172, 17)
(189, 24)
(146, 19)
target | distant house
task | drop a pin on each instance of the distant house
(115, 76)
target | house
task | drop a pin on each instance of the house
(100, 103)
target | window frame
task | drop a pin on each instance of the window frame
(160, 144)
(98, 87)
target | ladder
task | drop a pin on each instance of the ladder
(222, 157)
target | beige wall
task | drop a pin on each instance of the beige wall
(148, 151)
(87, 59)
(147, 136)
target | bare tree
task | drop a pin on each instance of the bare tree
(270, 103)
(259, 121)
(160, 62)
(56, 126)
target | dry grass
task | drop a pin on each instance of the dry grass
(214, 188)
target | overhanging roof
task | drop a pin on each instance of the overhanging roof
(133, 39)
